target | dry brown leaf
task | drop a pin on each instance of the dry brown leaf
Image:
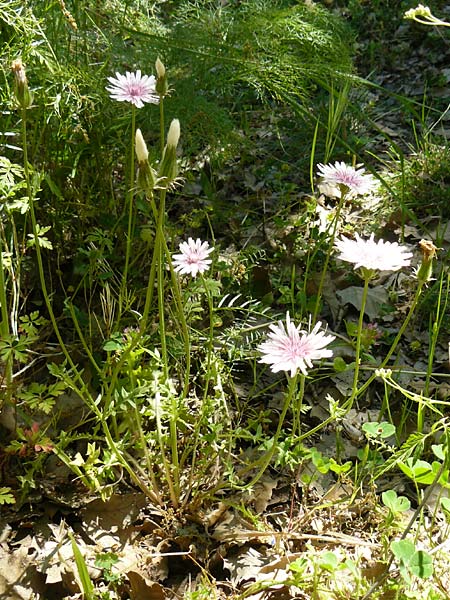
(19, 579)
(262, 493)
(144, 589)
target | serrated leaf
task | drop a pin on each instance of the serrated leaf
(6, 497)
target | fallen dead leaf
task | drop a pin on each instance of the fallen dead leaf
(144, 589)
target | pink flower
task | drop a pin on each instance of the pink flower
(134, 88)
(341, 178)
(193, 258)
(381, 255)
(292, 349)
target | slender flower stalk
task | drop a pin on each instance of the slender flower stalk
(137, 89)
(267, 458)
(292, 350)
(369, 256)
(334, 226)
(367, 277)
(168, 161)
(5, 332)
(129, 203)
(161, 87)
(397, 339)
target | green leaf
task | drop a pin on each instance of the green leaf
(394, 503)
(83, 574)
(114, 343)
(445, 503)
(438, 451)
(339, 469)
(321, 462)
(6, 497)
(339, 364)
(421, 564)
(328, 561)
(422, 472)
(106, 560)
(403, 550)
(378, 430)
(299, 565)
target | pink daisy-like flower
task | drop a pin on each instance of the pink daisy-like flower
(291, 349)
(134, 88)
(341, 178)
(380, 256)
(193, 258)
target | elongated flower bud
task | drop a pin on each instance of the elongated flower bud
(174, 133)
(168, 169)
(23, 95)
(146, 176)
(140, 147)
(160, 68)
(425, 271)
(161, 82)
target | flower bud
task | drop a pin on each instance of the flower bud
(161, 81)
(174, 133)
(425, 271)
(168, 169)
(146, 176)
(140, 147)
(23, 95)
(160, 69)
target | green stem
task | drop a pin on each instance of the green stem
(398, 337)
(327, 258)
(178, 303)
(161, 126)
(434, 335)
(269, 455)
(130, 204)
(367, 276)
(42, 278)
(182, 320)
(174, 497)
(208, 377)
(297, 418)
(159, 251)
(143, 441)
(210, 338)
(5, 332)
